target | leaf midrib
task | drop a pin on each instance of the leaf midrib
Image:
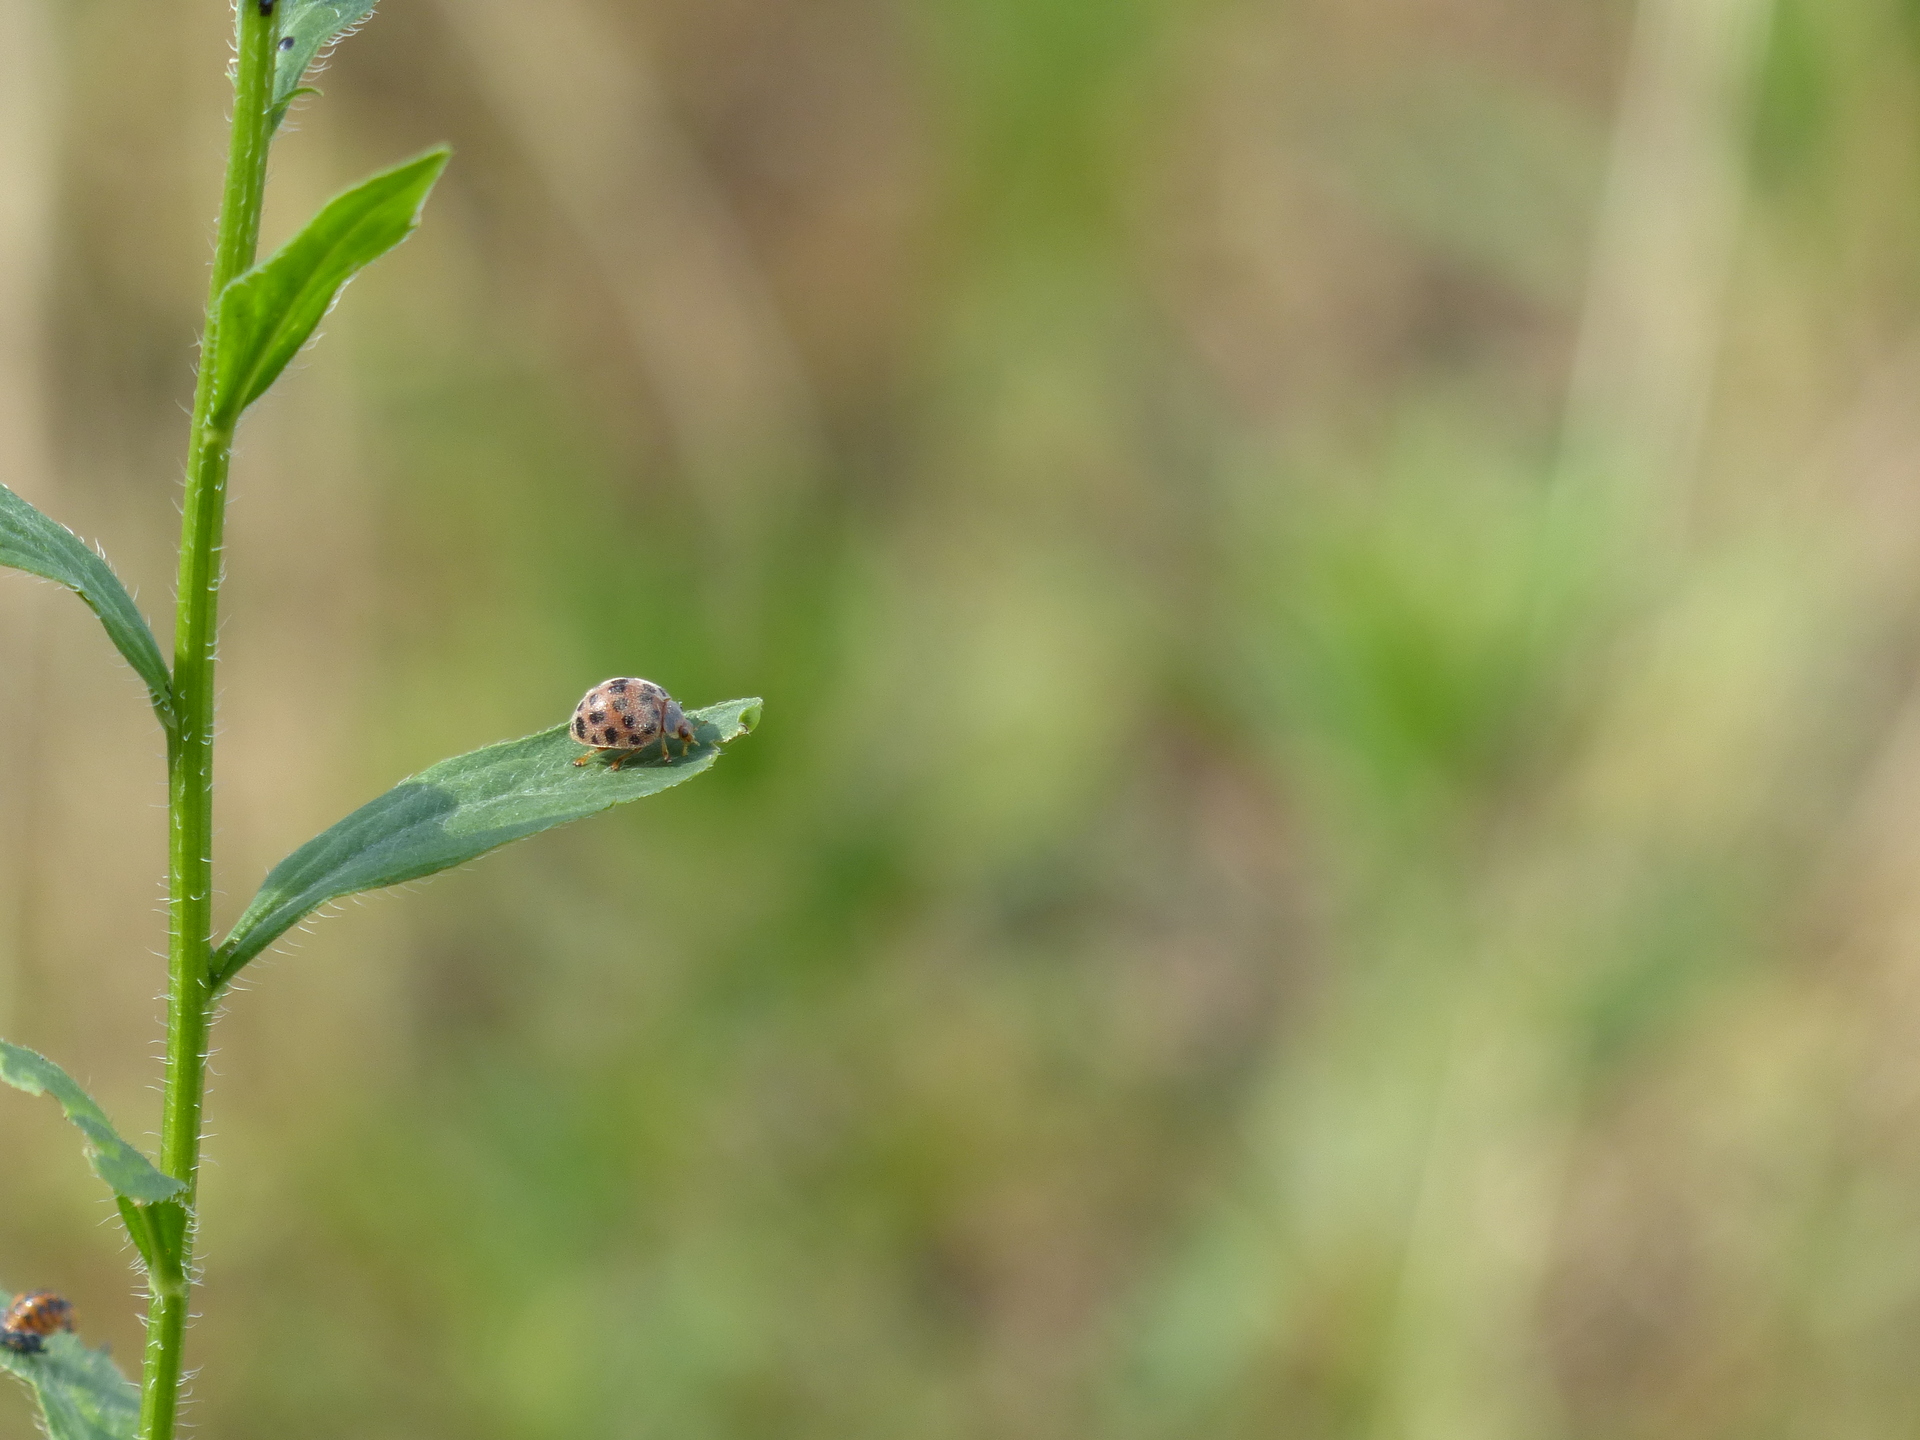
(269, 338)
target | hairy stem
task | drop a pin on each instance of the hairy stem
(190, 996)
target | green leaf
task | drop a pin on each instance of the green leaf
(460, 809)
(32, 542)
(267, 314)
(115, 1161)
(306, 28)
(139, 1222)
(82, 1394)
(157, 1231)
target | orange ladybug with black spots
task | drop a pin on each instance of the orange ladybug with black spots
(629, 714)
(31, 1318)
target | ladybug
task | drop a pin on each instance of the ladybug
(629, 714)
(31, 1318)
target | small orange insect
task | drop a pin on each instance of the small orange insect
(629, 714)
(31, 1318)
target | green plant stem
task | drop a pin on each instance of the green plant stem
(190, 996)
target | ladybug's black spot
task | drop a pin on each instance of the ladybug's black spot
(580, 726)
(606, 736)
(617, 686)
(598, 717)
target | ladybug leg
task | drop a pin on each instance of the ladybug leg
(620, 757)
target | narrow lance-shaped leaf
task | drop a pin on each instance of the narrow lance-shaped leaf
(115, 1161)
(267, 314)
(457, 810)
(306, 28)
(82, 1394)
(41, 546)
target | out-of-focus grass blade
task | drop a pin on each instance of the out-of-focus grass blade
(41, 546)
(115, 1161)
(457, 810)
(267, 314)
(306, 28)
(82, 1394)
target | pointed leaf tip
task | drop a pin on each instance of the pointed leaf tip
(267, 314)
(457, 811)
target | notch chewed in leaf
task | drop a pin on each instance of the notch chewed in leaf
(456, 811)
(306, 28)
(32, 541)
(121, 1165)
(266, 315)
(82, 1394)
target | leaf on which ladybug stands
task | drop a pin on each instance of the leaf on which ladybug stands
(456, 811)
(266, 315)
(115, 1161)
(306, 28)
(82, 1394)
(31, 541)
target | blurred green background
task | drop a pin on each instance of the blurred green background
(1335, 850)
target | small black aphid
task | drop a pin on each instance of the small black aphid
(286, 43)
(266, 7)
